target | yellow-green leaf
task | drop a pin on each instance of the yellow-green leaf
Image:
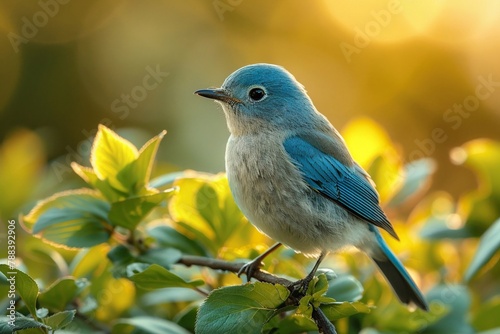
(111, 154)
(21, 161)
(205, 209)
(136, 175)
(482, 206)
(335, 311)
(130, 212)
(157, 277)
(89, 260)
(89, 176)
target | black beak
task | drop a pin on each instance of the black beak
(218, 94)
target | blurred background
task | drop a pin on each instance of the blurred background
(426, 71)
(402, 80)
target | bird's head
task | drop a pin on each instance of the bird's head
(262, 97)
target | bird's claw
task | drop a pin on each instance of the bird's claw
(299, 288)
(250, 268)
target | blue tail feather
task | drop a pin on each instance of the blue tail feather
(394, 271)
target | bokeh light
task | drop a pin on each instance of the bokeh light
(66, 66)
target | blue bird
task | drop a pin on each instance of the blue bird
(291, 174)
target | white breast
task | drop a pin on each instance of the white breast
(271, 193)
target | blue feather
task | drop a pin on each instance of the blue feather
(337, 182)
(396, 274)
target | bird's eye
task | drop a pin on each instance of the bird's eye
(256, 94)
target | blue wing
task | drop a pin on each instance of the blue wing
(331, 178)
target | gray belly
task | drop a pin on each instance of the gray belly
(270, 192)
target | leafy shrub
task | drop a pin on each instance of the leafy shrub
(122, 261)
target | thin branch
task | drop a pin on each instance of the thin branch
(263, 276)
(324, 325)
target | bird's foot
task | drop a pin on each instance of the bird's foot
(250, 268)
(299, 288)
(253, 266)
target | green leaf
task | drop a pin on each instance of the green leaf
(90, 177)
(417, 178)
(5, 326)
(76, 218)
(249, 306)
(345, 288)
(147, 325)
(386, 172)
(136, 174)
(315, 294)
(60, 319)
(167, 236)
(335, 311)
(72, 227)
(320, 286)
(486, 315)
(488, 246)
(130, 212)
(164, 257)
(89, 260)
(26, 287)
(3, 279)
(110, 154)
(438, 210)
(170, 295)
(437, 228)
(481, 206)
(21, 322)
(456, 300)
(120, 254)
(70, 198)
(122, 258)
(207, 204)
(204, 210)
(166, 179)
(291, 324)
(157, 277)
(187, 317)
(57, 296)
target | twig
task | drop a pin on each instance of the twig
(191, 260)
(324, 325)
